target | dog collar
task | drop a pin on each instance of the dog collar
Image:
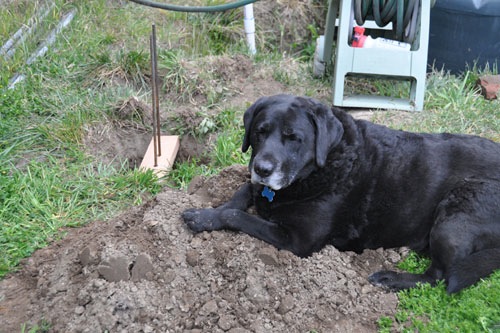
(268, 193)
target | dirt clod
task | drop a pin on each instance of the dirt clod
(115, 270)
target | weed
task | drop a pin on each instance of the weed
(182, 173)
(428, 309)
(306, 53)
(215, 33)
(42, 327)
(225, 152)
(228, 150)
(134, 64)
(384, 324)
(414, 263)
(177, 79)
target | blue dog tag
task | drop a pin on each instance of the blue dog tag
(268, 193)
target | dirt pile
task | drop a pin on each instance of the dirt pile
(144, 271)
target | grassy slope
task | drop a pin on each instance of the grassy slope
(47, 182)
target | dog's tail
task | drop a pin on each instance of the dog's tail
(472, 268)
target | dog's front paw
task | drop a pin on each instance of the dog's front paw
(386, 279)
(199, 220)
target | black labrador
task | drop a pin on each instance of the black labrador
(320, 177)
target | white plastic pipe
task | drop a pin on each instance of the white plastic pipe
(9, 48)
(51, 38)
(44, 47)
(249, 22)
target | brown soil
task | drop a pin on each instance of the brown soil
(144, 271)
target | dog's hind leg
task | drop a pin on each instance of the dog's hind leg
(465, 240)
(472, 268)
(462, 253)
(464, 243)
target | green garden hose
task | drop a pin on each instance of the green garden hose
(195, 9)
(402, 13)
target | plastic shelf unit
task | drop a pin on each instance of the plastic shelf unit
(375, 62)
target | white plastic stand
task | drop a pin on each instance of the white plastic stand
(372, 62)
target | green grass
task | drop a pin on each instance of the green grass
(43, 327)
(432, 309)
(429, 309)
(49, 183)
(452, 104)
(41, 199)
(226, 150)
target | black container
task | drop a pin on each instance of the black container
(464, 33)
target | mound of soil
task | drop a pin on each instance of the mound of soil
(144, 271)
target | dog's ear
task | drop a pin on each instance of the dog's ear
(329, 130)
(248, 117)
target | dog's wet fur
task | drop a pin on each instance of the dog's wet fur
(358, 185)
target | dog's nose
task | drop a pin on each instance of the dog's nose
(263, 168)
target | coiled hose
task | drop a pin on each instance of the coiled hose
(402, 13)
(195, 9)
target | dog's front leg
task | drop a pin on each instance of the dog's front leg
(234, 219)
(233, 216)
(207, 219)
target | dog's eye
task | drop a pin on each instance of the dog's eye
(292, 136)
(264, 128)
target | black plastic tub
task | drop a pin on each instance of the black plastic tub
(464, 33)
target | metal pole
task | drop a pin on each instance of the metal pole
(153, 97)
(157, 99)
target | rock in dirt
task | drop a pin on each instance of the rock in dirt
(142, 268)
(489, 85)
(115, 270)
(269, 256)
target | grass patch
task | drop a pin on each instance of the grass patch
(452, 104)
(432, 309)
(47, 182)
(46, 196)
(226, 150)
(475, 309)
(414, 263)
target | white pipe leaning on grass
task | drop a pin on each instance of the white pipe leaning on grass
(9, 48)
(44, 47)
(249, 22)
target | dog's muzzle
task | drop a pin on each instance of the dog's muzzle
(267, 172)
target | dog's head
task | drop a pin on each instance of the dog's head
(290, 137)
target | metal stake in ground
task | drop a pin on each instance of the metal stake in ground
(157, 99)
(154, 97)
(154, 159)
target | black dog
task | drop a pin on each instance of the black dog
(320, 177)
